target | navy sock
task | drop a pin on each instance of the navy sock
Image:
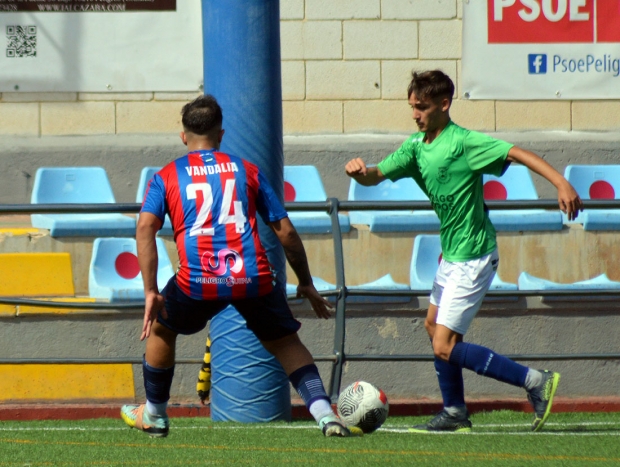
(308, 384)
(450, 383)
(157, 382)
(487, 363)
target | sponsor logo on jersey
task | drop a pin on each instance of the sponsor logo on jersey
(441, 202)
(220, 265)
(229, 281)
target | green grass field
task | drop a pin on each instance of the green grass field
(498, 439)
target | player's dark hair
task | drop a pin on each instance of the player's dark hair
(202, 116)
(433, 84)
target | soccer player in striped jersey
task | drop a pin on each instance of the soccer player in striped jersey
(447, 162)
(213, 200)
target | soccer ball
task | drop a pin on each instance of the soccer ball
(363, 405)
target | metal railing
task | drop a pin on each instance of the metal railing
(332, 206)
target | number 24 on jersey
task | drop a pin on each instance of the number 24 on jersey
(237, 217)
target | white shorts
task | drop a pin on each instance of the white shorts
(460, 287)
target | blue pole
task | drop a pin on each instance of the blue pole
(241, 44)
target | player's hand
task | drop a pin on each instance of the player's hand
(569, 201)
(356, 167)
(319, 304)
(153, 303)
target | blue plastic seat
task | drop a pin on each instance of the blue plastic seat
(601, 282)
(383, 283)
(405, 189)
(145, 177)
(516, 184)
(596, 182)
(77, 185)
(319, 284)
(114, 273)
(425, 262)
(302, 183)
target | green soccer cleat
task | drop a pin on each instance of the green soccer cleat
(541, 398)
(136, 416)
(331, 425)
(444, 422)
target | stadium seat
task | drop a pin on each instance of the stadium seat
(602, 282)
(302, 183)
(77, 185)
(319, 284)
(405, 189)
(516, 184)
(383, 283)
(145, 177)
(596, 182)
(425, 261)
(114, 273)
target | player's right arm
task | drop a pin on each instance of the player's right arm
(362, 174)
(296, 257)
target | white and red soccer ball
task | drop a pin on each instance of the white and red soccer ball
(363, 405)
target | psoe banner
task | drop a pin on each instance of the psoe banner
(541, 49)
(100, 45)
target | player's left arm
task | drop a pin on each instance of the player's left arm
(568, 199)
(148, 226)
(296, 257)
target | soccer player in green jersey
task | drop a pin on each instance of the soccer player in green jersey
(447, 162)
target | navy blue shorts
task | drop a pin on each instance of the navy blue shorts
(268, 317)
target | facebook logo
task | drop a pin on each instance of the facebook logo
(537, 64)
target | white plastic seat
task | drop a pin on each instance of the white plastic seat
(405, 189)
(114, 273)
(77, 185)
(302, 183)
(516, 184)
(595, 182)
(145, 177)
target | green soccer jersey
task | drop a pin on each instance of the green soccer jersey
(449, 170)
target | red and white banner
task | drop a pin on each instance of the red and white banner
(541, 49)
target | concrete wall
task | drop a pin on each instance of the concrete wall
(511, 328)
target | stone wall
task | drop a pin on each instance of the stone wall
(345, 69)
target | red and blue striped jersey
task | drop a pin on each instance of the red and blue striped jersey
(212, 199)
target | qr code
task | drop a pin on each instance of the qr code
(22, 41)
